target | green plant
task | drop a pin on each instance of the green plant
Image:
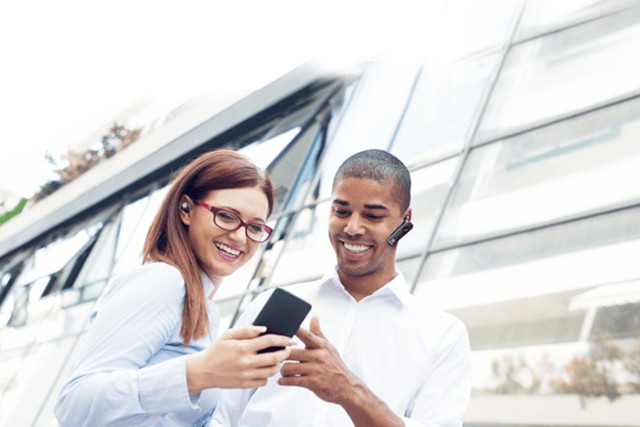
(13, 212)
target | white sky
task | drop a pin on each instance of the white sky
(67, 67)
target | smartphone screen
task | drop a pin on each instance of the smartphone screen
(282, 314)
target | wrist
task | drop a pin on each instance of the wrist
(193, 376)
(355, 396)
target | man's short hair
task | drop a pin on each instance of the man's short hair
(382, 167)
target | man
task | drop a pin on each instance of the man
(379, 357)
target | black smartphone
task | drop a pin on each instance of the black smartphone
(399, 232)
(282, 314)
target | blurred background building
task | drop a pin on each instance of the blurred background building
(525, 167)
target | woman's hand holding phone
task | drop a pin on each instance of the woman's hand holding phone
(233, 360)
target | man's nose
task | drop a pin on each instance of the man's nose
(354, 226)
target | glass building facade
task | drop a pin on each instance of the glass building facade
(526, 209)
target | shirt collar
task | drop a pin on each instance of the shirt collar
(397, 287)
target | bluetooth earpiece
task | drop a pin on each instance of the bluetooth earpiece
(399, 232)
(186, 207)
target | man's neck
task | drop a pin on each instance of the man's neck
(360, 287)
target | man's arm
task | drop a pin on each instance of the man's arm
(321, 370)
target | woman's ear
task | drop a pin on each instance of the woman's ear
(186, 205)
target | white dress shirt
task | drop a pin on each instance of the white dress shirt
(131, 369)
(414, 357)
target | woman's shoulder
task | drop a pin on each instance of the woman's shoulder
(154, 278)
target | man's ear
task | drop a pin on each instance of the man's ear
(408, 215)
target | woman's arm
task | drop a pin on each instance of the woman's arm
(112, 380)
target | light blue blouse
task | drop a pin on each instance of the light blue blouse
(131, 367)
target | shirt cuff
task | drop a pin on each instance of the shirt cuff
(163, 387)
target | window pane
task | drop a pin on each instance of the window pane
(443, 105)
(100, 261)
(37, 376)
(409, 268)
(308, 253)
(542, 16)
(564, 72)
(52, 257)
(136, 219)
(263, 152)
(369, 120)
(227, 309)
(69, 321)
(558, 171)
(294, 167)
(529, 339)
(429, 188)
(618, 321)
(236, 284)
(469, 26)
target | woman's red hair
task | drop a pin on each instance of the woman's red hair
(167, 239)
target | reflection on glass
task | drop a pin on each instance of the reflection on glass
(38, 371)
(227, 309)
(409, 268)
(308, 253)
(470, 26)
(236, 284)
(443, 105)
(617, 321)
(513, 253)
(429, 188)
(10, 362)
(54, 256)
(295, 167)
(369, 120)
(263, 152)
(136, 219)
(541, 16)
(69, 321)
(533, 276)
(564, 72)
(99, 263)
(531, 342)
(558, 171)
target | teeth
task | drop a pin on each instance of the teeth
(355, 248)
(226, 249)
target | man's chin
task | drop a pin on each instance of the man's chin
(351, 271)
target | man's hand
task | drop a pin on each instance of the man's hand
(319, 367)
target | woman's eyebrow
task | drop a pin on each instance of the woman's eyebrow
(237, 212)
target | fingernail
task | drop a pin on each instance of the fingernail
(261, 329)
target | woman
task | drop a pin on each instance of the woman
(149, 357)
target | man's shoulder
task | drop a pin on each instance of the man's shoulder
(428, 313)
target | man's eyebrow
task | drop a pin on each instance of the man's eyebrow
(375, 206)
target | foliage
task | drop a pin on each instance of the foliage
(607, 370)
(514, 376)
(118, 138)
(13, 212)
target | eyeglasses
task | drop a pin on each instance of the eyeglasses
(230, 221)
